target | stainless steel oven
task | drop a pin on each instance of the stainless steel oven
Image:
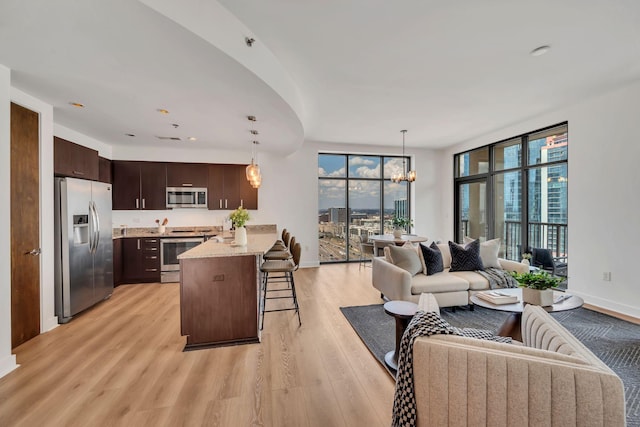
(170, 248)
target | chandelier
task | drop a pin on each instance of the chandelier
(409, 176)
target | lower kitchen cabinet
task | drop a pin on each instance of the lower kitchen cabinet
(140, 259)
(117, 262)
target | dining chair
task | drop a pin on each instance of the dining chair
(367, 250)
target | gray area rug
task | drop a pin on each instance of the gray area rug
(614, 341)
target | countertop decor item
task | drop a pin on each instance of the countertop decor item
(400, 224)
(238, 218)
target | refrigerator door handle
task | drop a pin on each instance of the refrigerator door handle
(91, 226)
(96, 240)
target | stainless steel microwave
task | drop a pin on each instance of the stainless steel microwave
(186, 197)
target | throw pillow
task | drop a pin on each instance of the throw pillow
(488, 252)
(446, 254)
(432, 258)
(405, 258)
(419, 252)
(465, 258)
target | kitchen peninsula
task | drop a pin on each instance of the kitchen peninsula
(220, 291)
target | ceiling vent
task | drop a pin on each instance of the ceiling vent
(169, 138)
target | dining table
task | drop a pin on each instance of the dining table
(382, 240)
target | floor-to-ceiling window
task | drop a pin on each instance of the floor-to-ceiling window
(516, 190)
(356, 199)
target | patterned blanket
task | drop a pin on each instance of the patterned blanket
(498, 278)
(422, 324)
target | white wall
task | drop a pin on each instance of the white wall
(7, 360)
(603, 208)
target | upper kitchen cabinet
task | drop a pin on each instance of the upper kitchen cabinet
(228, 188)
(187, 175)
(70, 159)
(139, 185)
(104, 170)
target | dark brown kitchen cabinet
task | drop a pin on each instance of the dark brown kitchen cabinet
(139, 185)
(70, 159)
(187, 175)
(140, 259)
(104, 170)
(117, 261)
(228, 188)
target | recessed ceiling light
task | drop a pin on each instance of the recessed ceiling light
(541, 50)
(252, 118)
(163, 111)
(253, 131)
(192, 138)
(77, 104)
(130, 134)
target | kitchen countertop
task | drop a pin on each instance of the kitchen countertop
(257, 244)
(169, 232)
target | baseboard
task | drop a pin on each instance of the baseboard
(612, 313)
(7, 365)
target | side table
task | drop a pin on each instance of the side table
(403, 312)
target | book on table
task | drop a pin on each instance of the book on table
(497, 297)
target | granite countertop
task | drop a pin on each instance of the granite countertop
(169, 232)
(257, 244)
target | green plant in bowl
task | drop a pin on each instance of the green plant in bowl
(539, 279)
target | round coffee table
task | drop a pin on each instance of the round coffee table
(512, 325)
(403, 312)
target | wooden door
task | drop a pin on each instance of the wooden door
(187, 174)
(25, 225)
(153, 185)
(215, 188)
(233, 175)
(248, 194)
(126, 185)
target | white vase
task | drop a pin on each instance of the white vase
(525, 261)
(162, 229)
(241, 236)
(397, 233)
(543, 298)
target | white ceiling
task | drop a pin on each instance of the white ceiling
(346, 71)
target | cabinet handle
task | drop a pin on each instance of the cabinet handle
(137, 203)
(242, 203)
(152, 257)
(143, 205)
(138, 244)
(187, 185)
(78, 173)
(225, 203)
(151, 269)
(151, 240)
(220, 203)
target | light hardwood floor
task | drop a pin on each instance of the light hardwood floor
(121, 363)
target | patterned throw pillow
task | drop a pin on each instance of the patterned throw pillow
(432, 258)
(488, 252)
(465, 258)
(405, 258)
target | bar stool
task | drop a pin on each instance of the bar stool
(270, 270)
(280, 254)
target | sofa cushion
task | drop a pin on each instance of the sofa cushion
(465, 258)
(406, 258)
(436, 283)
(446, 254)
(476, 281)
(432, 258)
(488, 251)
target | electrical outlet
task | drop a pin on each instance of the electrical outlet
(606, 276)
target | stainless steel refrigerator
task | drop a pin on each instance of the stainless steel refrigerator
(84, 247)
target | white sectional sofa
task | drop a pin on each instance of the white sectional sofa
(449, 288)
(551, 379)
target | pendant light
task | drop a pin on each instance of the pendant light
(409, 176)
(253, 170)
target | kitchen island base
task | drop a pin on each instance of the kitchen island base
(219, 300)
